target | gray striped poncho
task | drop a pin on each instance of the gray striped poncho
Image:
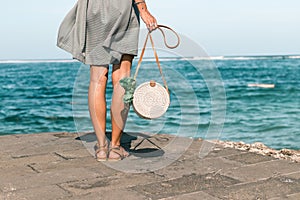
(99, 32)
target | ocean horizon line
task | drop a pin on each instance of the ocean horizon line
(221, 57)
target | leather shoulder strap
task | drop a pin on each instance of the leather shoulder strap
(155, 53)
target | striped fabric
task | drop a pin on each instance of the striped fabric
(99, 32)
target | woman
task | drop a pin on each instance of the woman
(99, 33)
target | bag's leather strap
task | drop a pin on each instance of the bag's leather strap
(155, 53)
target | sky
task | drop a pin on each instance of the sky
(232, 27)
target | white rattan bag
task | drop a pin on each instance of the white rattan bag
(150, 99)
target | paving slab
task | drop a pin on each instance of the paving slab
(28, 160)
(184, 184)
(294, 196)
(15, 180)
(48, 192)
(110, 183)
(219, 151)
(36, 148)
(287, 197)
(192, 196)
(84, 162)
(249, 158)
(265, 189)
(62, 166)
(295, 175)
(198, 166)
(262, 170)
(109, 195)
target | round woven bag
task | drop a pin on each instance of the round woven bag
(150, 100)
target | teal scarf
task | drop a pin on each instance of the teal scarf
(129, 84)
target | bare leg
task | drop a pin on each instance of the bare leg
(119, 110)
(97, 101)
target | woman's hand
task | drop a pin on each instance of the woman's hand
(148, 19)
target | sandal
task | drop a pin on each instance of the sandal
(117, 153)
(101, 153)
(125, 153)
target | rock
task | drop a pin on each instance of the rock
(287, 152)
(262, 149)
(259, 145)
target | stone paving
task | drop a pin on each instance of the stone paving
(61, 166)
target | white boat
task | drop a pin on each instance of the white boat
(261, 85)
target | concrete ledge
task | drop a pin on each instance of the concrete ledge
(59, 166)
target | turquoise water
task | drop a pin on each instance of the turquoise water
(36, 96)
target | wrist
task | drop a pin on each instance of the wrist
(141, 5)
(137, 2)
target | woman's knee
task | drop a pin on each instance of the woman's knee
(99, 74)
(117, 76)
(122, 70)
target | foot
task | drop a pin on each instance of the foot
(117, 153)
(101, 152)
(125, 153)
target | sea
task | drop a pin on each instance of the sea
(242, 98)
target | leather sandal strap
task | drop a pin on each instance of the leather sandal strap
(103, 146)
(118, 151)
